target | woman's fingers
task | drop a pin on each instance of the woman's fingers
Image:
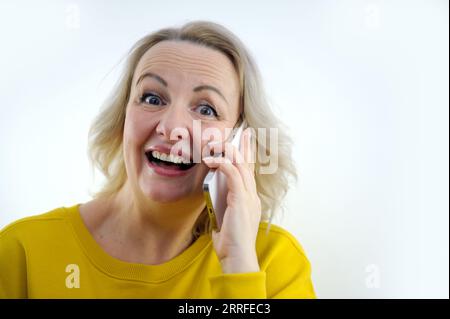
(234, 158)
(248, 148)
(242, 161)
(234, 179)
(244, 168)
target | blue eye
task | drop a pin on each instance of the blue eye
(207, 110)
(150, 98)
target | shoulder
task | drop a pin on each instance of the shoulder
(276, 236)
(33, 225)
(20, 242)
(283, 259)
(277, 246)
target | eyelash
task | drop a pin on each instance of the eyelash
(146, 95)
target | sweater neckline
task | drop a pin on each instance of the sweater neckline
(133, 271)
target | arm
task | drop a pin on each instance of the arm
(13, 276)
(285, 273)
(242, 277)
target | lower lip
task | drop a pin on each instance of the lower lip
(167, 172)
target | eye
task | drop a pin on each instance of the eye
(150, 98)
(206, 110)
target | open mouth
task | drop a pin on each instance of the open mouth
(168, 161)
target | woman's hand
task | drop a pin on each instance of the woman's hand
(235, 243)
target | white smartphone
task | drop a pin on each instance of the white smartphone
(215, 189)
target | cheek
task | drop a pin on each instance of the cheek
(137, 129)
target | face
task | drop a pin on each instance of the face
(176, 84)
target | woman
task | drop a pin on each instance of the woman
(146, 233)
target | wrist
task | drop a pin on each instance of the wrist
(240, 264)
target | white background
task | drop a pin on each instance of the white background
(362, 84)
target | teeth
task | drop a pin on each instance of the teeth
(169, 158)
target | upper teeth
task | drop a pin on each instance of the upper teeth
(169, 158)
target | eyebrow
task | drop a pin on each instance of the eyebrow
(196, 89)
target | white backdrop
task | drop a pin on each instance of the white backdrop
(362, 84)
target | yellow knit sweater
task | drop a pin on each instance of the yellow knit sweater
(53, 255)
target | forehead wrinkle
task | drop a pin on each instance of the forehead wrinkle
(166, 54)
(194, 69)
(186, 66)
(176, 53)
(189, 66)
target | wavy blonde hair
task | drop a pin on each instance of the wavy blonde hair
(106, 132)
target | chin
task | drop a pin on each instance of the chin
(163, 194)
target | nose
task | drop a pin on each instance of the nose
(174, 124)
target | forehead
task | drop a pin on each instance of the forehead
(191, 62)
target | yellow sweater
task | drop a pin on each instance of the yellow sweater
(53, 255)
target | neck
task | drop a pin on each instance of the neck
(144, 227)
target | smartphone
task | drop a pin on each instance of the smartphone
(215, 189)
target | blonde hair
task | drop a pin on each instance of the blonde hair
(106, 132)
